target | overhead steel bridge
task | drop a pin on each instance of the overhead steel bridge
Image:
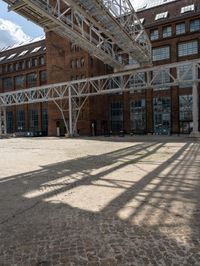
(77, 92)
(107, 29)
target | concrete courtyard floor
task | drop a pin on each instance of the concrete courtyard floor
(100, 201)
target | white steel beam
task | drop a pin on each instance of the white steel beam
(119, 19)
(124, 81)
(163, 76)
(70, 112)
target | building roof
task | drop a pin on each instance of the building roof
(150, 3)
(157, 12)
(21, 50)
(37, 39)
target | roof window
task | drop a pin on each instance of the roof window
(11, 56)
(2, 58)
(23, 53)
(189, 8)
(161, 15)
(36, 49)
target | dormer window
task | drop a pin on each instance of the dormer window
(36, 49)
(186, 9)
(161, 15)
(11, 56)
(23, 53)
(2, 58)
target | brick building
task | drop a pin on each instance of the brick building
(24, 66)
(173, 27)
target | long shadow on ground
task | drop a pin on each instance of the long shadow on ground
(154, 220)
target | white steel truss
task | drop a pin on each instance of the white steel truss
(77, 92)
(104, 28)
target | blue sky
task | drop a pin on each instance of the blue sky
(15, 29)
(28, 27)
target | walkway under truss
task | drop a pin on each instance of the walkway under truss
(106, 29)
(75, 93)
(119, 19)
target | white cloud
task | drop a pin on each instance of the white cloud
(10, 33)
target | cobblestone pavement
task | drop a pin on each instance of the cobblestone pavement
(100, 201)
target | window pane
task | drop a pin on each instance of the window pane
(185, 107)
(45, 121)
(161, 78)
(195, 25)
(188, 48)
(9, 121)
(43, 77)
(116, 116)
(162, 115)
(42, 60)
(138, 116)
(19, 82)
(161, 53)
(187, 9)
(20, 120)
(180, 28)
(154, 34)
(31, 79)
(7, 84)
(185, 74)
(33, 120)
(137, 81)
(167, 31)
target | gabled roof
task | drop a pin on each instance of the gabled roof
(150, 3)
(22, 43)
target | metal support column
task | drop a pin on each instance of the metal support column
(70, 113)
(195, 107)
(3, 126)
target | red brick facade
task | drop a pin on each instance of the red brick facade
(63, 62)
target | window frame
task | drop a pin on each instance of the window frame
(159, 52)
(154, 36)
(167, 35)
(194, 29)
(186, 48)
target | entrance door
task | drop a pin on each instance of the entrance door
(60, 128)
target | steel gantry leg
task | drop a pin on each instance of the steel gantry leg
(195, 107)
(3, 125)
(70, 113)
(195, 111)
